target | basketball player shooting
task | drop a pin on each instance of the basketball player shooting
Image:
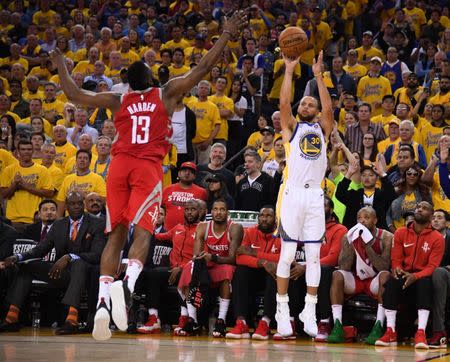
(301, 197)
(134, 183)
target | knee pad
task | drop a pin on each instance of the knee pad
(312, 275)
(287, 256)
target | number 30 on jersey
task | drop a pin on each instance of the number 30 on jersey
(141, 129)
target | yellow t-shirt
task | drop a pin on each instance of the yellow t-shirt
(48, 128)
(21, 60)
(6, 159)
(56, 174)
(439, 98)
(71, 168)
(171, 44)
(189, 54)
(175, 72)
(418, 19)
(350, 8)
(440, 201)
(409, 204)
(56, 105)
(383, 145)
(223, 102)
(373, 89)
(276, 88)
(321, 36)
(85, 184)
(43, 19)
(207, 115)
(63, 153)
(430, 137)
(22, 205)
(328, 186)
(258, 27)
(356, 71)
(383, 120)
(84, 67)
(29, 96)
(402, 97)
(41, 73)
(129, 57)
(364, 56)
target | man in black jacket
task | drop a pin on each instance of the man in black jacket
(379, 199)
(47, 215)
(256, 189)
(79, 240)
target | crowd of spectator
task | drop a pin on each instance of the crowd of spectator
(388, 73)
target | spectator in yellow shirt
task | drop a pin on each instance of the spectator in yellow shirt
(366, 52)
(226, 108)
(24, 185)
(373, 87)
(432, 132)
(64, 149)
(106, 45)
(208, 122)
(417, 16)
(14, 57)
(48, 157)
(321, 32)
(353, 68)
(86, 67)
(51, 106)
(42, 71)
(128, 56)
(443, 97)
(178, 68)
(177, 40)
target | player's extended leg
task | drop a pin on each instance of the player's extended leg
(342, 281)
(312, 276)
(282, 316)
(377, 289)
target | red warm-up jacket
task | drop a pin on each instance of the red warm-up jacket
(418, 254)
(267, 247)
(330, 249)
(182, 237)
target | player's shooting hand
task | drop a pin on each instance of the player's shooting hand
(318, 65)
(290, 63)
(235, 22)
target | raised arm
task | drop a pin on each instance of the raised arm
(81, 96)
(288, 121)
(174, 89)
(326, 121)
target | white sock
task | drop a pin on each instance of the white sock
(192, 312)
(104, 283)
(266, 319)
(326, 320)
(223, 308)
(423, 318)
(310, 304)
(184, 311)
(153, 311)
(133, 270)
(381, 314)
(337, 312)
(391, 315)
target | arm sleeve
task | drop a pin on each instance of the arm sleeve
(397, 250)
(342, 192)
(422, 157)
(437, 252)
(333, 255)
(444, 178)
(167, 236)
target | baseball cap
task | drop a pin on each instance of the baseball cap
(191, 165)
(267, 129)
(395, 121)
(215, 177)
(368, 32)
(376, 59)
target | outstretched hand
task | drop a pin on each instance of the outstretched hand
(56, 55)
(290, 63)
(235, 22)
(318, 65)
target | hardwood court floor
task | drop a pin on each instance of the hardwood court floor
(40, 345)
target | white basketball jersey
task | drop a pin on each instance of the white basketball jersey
(306, 156)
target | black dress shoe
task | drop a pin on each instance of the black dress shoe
(67, 328)
(10, 327)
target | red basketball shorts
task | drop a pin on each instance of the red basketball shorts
(217, 273)
(133, 192)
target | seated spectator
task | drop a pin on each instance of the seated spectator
(405, 160)
(47, 216)
(387, 104)
(101, 165)
(109, 130)
(411, 191)
(266, 149)
(432, 132)
(393, 136)
(166, 267)
(79, 240)
(175, 196)
(444, 163)
(363, 268)
(217, 189)
(95, 204)
(369, 195)
(369, 151)
(216, 242)
(272, 164)
(83, 181)
(255, 138)
(64, 149)
(217, 157)
(37, 140)
(23, 185)
(416, 252)
(256, 189)
(81, 127)
(85, 143)
(256, 261)
(441, 280)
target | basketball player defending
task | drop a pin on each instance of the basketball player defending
(301, 197)
(134, 183)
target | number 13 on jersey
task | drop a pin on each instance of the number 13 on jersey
(141, 129)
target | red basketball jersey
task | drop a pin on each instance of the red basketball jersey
(143, 125)
(377, 247)
(217, 244)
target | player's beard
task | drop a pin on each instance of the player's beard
(309, 118)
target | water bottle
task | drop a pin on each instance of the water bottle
(35, 315)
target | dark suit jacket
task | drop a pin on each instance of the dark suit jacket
(88, 245)
(354, 200)
(33, 231)
(8, 236)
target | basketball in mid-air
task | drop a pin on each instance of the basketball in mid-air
(293, 42)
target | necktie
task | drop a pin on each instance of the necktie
(74, 233)
(44, 232)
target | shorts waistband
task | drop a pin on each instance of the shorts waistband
(306, 185)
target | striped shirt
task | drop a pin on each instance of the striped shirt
(354, 136)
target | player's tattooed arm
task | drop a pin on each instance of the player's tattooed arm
(199, 239)
(383, 261)
(236, 236)
(347, 255)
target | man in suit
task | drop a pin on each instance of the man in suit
(79, 240)
(47, 215)
(8, 236)
(95, 204)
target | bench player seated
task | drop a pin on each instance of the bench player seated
(216, 242)
(363, 268)
(256, 265)
(416, 252)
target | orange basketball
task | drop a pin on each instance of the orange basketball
(293, 42)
